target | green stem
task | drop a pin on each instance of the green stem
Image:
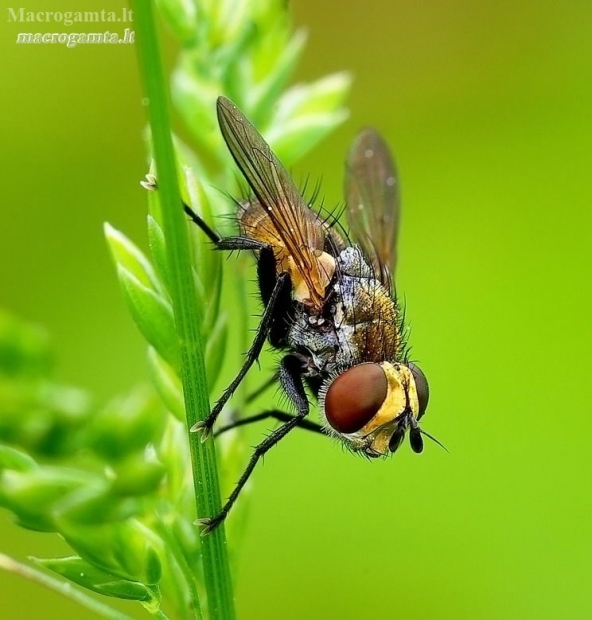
(187, 316)
(61, 587)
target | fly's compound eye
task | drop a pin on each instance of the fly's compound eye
(422, 388)
(355, 397)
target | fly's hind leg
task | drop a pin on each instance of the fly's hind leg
(291, 380)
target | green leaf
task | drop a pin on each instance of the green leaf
(181, 16)
(138, 475)
(127, 425)
(189, 538)
(60, 586)
(138, 549)
(92, 578)
(15, 460)
(95, 505)
(167, 383)
(173, 451)
(269, 89)
(207, 262)
(306, 114)
(227, 20)
(148, 596)
(152, 314)
(301, 134)
(126, 549)
(42, 418)
(127, 256)
(24, 348)
(157, 248)
(33, 495)
(195, 98)
(174, 584)
(322, 96)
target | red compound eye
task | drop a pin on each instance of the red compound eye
(355, 397)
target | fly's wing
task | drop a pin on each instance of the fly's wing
(372, 195)
(300, 230)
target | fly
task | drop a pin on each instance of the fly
(329, 301)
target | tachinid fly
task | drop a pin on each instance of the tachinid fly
(329, 302)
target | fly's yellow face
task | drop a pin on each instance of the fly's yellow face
(371, 406)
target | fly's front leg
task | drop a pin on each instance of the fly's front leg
(282, 285)
(279, 290)
(222, 243)
(290, 376)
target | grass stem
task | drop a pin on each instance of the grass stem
(187, 315)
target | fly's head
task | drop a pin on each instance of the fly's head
(371, 406)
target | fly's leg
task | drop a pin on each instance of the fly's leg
(275, 299)
(281, 286)
(210, 523)
(291, 380)
(223, 243)
(275, 414)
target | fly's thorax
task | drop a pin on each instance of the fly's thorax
(370, 406)
(315, 339)
(324, 269)
(353, 263)
(359, 322)
(298, 249)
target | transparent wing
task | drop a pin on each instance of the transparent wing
(299, 229)
(372, 195)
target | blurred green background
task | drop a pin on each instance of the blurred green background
(488, 108)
